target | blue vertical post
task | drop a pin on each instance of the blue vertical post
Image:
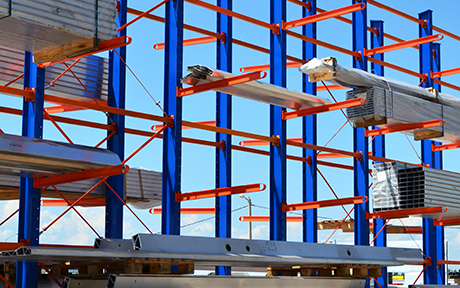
(116, 143)
(29, 197)
(440, 247)
(278, 182)
(172, 136)
(309, 129)
(360, 142)
(426, 66)
(224, 120)
(378, 146)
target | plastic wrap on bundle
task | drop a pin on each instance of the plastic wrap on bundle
(328, 69)
(385, 193)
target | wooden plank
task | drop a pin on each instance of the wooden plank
(370, 122)
(332, 270)
(423, 134)
(66, 51)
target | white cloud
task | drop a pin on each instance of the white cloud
(260, 232)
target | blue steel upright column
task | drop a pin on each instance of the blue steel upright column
(224, 120)
(172, 136)
(29, 197)
(309, 128)
(116, 143)
(440, 248)
(426, 66)
(277, 125)
(360, 168)
(378, 146)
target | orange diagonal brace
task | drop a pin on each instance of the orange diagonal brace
(436, 148)
(15, 79)
(65, 71)
(80, 176)
(181, 92)
(142, 15)
(401, 45)
(445, 73)
(157, 211)
(83, 202)
(267, 67)
(404, 127)
(189, 42)
(103, 46)
(405, 212)
(230, 13)
(447, 222)
(267, 219)
(324, 203)
(220, 192)
(323, 108)
(210, 123)
(323, 16)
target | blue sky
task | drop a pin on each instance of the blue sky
(198, 162)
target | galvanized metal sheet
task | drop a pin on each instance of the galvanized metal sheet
(86, 283)
(114, 244)
(254, 90)
(138, 281)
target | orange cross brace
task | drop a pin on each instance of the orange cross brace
(405, 212)
(323, 16)
(192, 41)
(15, 79)
(157, 211)
(142, 15)
(103, 46)
(401, 45)
(404, 127)
(323, 108)
(220, 192)
(324, 203)
(80, 176)
(181, 92)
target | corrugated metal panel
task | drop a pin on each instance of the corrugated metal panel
(39, 25)
(91, 70)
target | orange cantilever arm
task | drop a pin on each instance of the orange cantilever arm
(103, 46)
(405, 212)
(436, 148)
(29, 94)
(331, 87)
(83, 202)
(401, 45)
(445, 73)
(262, 142)
(157, 211)
(210, 123)
(404, 127)
(447, 222)
(324, 203)
(267, 67)
(80, 176)
(191, 41)
(220, 192)
(181, 92)
(323, 108)
(267, 219)
(323, 16)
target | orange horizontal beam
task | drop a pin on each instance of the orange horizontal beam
(226, 191)
(447, 33)
(323, 44)
(405, 212)
(331, 87)
(30, 94)
(381, 159)
(10, 246)
(194, 211)
(401, 45)
(414, 230)
(323, 108)
(273, 139)
(262, 143)
(324, 149)
(323, 16)
(62, 108)
(290, 219)
(447, 222)
(83, 202)
(397, 12)
(236, 15)
(404, 127)
(267, 67)
(210, 123)
(324, 203)
(103, 46)
(191, 41)
(445, 84)
(239, 79)
(435, 148)
(80, 176)
(118, 111)
(397, 68)
(451, 262)
(445, 73)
